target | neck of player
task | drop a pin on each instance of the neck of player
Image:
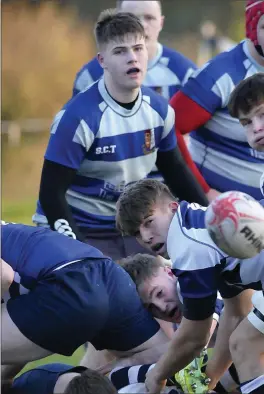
(152, 49)
(120, 94)
(254, 53)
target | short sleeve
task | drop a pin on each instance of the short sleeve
(204, 89)
(70, 139)
(168, 138)
(82, 81)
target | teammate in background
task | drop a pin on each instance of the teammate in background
(148, 210)
(247, 105)
(7, 276)
(247, 342)
(107, 137)
(168, 70)
(66, 293)
(219, 146)
(62, 378)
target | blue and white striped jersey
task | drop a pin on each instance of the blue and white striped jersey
(201, 267)
(166, 73)
(110, 146)
(262, 184)
(220, 147)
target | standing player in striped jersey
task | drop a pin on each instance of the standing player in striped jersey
(148, 210)
(168, 70)
(107, 137)
(219, 146)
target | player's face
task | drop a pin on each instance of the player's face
(125, 61)
(149, 13)
(153, 231)
(260, 32)
(159, 295)
(253, 123)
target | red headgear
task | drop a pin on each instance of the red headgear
(254, 10)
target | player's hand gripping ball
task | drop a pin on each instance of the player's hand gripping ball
(235, 222)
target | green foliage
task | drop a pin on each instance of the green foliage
(42, 49)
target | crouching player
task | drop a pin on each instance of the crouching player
(66, 293)
(246, 343)
(148, 210)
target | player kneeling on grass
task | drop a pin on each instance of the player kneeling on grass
(247, 341)
(66, 293)
(148, 211)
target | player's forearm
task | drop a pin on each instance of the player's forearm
(183, 349)
(221, 358)
(55, 180)
(179, 178)
(189, 161)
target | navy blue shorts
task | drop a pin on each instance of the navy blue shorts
(88, 301)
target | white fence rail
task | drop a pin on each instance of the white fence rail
(14, 129)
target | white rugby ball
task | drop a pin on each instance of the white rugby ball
(235, 222)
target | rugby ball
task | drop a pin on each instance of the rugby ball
(235, 222)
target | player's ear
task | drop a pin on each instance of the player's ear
(168, 270)
(162, 19)
(173, 206)
(100, 59)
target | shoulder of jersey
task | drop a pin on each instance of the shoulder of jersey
(94, 68)
(155, 100)
(176, 57)
(227, 57)
(262, 184)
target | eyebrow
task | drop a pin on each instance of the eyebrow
(152, 291)
(124, 46)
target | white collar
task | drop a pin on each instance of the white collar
(113, 104)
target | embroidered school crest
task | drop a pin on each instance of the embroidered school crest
(149, 145)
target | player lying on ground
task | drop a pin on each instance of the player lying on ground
(159, 291)
(66, 293)
(62, 379)
(148, 211)
(247, 341)
(66, 379)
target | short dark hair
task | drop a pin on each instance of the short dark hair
(141, 267)
(112, 25)
(137, 201)
(247, 94)
(90, 382)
